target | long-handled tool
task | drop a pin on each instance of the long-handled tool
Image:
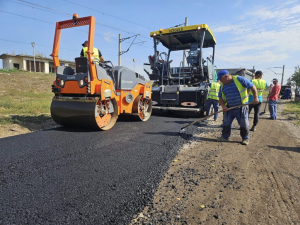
(262, 113)
(182, 129)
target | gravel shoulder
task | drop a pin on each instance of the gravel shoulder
(228, 183)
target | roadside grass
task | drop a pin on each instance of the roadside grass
(24, 96)
(294, 108)
(23, 120)
(265, 93)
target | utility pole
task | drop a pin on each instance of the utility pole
(33, 44)
(282, 75)
(122, 52)
(119, 52)
(183, 64)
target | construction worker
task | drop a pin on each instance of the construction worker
(260, 85)
(273, 99)
(233, 92)
(97, 53)
(212, 98)
(157, 58)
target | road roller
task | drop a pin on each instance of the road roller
(95, 93)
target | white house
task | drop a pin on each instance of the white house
(26, 62)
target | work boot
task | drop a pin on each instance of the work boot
(221, 139)
(253, 128)
(245, 142)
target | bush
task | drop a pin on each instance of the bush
(9, 71)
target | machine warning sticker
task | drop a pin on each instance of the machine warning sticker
(175, 30)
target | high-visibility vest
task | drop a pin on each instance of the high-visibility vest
(95, 50)
(242, 90)
(214, 91)
(260, 86)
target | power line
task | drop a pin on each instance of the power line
(228, 61)
(57, 11)
(53, 23)
(45, 7)
(274, 71)
(108, 14)
(232, 59)
(25, 17)
(45, 45)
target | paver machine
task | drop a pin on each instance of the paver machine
(94, 94)
(182, 88)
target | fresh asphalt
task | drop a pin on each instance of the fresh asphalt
(76, 176)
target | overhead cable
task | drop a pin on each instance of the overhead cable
(109, 14)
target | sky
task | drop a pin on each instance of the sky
(263, 34)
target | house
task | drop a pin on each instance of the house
(248, 73)
(26, 62)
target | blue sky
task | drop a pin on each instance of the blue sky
(263, 34)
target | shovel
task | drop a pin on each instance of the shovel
(204, 118)
(262, 113)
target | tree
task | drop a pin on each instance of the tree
(296, 76)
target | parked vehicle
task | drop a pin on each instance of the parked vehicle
(283, 89)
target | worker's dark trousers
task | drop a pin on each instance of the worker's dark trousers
(256, 112)
(286, 95)
(215, 104)
(242, 116)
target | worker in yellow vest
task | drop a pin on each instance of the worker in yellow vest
(233, 92)
(97, 53)
(212, 98)
(260, 85)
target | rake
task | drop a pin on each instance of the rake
(204, 118)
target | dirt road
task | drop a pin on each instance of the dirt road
(229, 183)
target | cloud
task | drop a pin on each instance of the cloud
(269, 34)
(278, 14)
(108, 35)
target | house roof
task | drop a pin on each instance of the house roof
(3, 56)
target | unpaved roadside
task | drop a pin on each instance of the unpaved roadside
(228, 183)
(7, 130)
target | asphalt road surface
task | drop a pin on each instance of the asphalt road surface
(75, 176)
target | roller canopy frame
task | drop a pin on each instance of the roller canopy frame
(76, 22)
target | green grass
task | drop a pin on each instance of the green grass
(265, 93)
(25, 94)
(22, 120)
(293, 107)
(8, 71)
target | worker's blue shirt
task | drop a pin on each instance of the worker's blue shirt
(260, 98)
(232, 93)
